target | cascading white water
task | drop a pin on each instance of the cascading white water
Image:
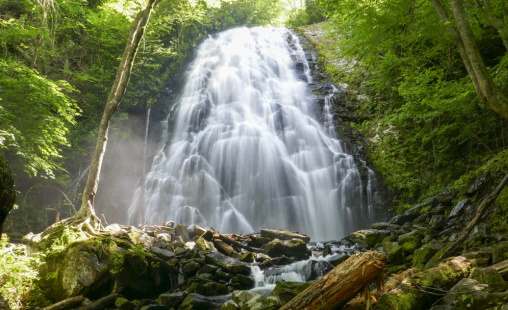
(243, 149)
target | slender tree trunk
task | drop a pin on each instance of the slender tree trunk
(463, 36)
(495, 99)
(445, 19)
(115, 97)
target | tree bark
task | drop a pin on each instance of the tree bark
(463, 37)
(419, 291)
(341, 284)
(502, 268)
(115, 97)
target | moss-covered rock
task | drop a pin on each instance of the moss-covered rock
(410, 241)
(285, 291)
(499, 252)
(422, 255)
(198, 302)
(227, 264)
(294, 248)
(368, 238)
(251, 301)
(395, 252)
(490, 277)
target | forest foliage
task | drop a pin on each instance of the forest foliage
(57, 64)
(422, 111)
(59, 58)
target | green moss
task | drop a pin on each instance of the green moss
(404, 300)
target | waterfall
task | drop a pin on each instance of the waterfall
(243, 149)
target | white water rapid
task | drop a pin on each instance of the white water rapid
(243, 149)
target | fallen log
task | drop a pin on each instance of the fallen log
(502, 268)
(419, 291)
(341, 284)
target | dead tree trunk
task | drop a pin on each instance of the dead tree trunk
(86, 213)
(341, 284)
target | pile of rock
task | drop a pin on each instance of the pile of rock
(161, 267)
(415, 241)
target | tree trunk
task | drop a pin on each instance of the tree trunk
(115, 97)
(421, 290)
(495, 98)
(463, 37)
(502, 268)
(341, 284)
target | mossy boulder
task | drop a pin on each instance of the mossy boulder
(285, 291)
(241, 282)
(246, 300)
(395, 252)
(410, 241)
(293, 248)
(422, 255)
(490, 277)
(368, 238)
(499, 252)
(227, 264)
(199, 302)
(171, 300)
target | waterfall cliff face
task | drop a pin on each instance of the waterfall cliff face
(243, 149)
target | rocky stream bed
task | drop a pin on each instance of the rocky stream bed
(166, 267)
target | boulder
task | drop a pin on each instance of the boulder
(294, 248)
(251, 301)
(499, 252)
(162, 253)
(490, 277)
(257, 241)
(422, 255)
(283, 235)
(199, 302)
(285, 291)
(241, 282)
(385, 226)
(228, 264)
(410, 241)
(459, 208)
(172, 300)
(394, 251)
(191, 268)
(368, 238)
(470, 294)
(206, 288)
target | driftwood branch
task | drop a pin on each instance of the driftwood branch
(341, 284)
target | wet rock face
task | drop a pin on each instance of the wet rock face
(7, 192)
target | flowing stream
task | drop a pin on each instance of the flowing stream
(243, 149)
